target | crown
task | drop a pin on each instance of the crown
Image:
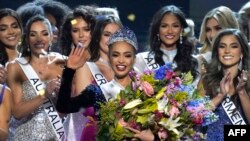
(124, 34)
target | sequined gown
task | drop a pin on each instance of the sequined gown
(89, 99)
(215, 131)
(36, 126)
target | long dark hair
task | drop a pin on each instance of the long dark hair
(66, 38)
(57, 9)
(102, 22)
(3, 13)
(184, 59)
(214, 74)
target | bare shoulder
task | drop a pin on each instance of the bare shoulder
(13, 68)
(14, 72)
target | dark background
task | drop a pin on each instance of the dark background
(144, 10)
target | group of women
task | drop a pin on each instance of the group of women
(98, 53)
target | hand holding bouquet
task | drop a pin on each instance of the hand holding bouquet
(160, 100)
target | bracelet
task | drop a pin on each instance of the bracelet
(42, 93)
(213, 107)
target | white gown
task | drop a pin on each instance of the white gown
(145, 61)
(111, 89)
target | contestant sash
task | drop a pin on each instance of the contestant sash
(98, 76)
(150, 61)
(48, 106)
(233, 114)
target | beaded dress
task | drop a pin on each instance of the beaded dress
(91, 96)
(36, 126)
(215, 131)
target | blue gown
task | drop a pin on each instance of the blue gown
(215, 131)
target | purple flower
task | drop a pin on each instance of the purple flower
(132, 75)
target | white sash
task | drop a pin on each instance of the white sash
(233, 114)
(48, 106)
(98, 76)
(150, 61)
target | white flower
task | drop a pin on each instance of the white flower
(132, 104)
(162, 104)
(171, 124)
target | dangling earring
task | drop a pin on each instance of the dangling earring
(219, 66)
(50, 46)
(158, 37)
(240, 63)
(181, 38)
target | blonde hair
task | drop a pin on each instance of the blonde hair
(225, 18)
(243, 17)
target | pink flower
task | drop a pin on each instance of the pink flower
(197, 118)
(171, 88)
(174, 111)
(162, 134)
(147, 88)
(170, 75)
(134, 125)
(122, 102)
(177, 81)
(158, 115)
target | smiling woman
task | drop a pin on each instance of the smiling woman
(26, 82)
(122, 48)
(10, 35)
(168, 43)
(227, 81)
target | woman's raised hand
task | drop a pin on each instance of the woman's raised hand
(242, 80)
(77, 57)
(226, 83)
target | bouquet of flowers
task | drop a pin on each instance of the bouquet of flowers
(160, 100)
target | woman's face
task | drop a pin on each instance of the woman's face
(10, 32)
(229, 51)
(212, 28)
(169, 31)
(80, 32)
(39, 37)
(121, 58)
(107, 32)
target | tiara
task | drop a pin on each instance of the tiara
(124, 34)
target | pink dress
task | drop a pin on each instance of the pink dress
(90, 130)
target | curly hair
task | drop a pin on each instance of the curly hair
(66, 38)
(184, 59)
(28, 10)
(57, 9)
